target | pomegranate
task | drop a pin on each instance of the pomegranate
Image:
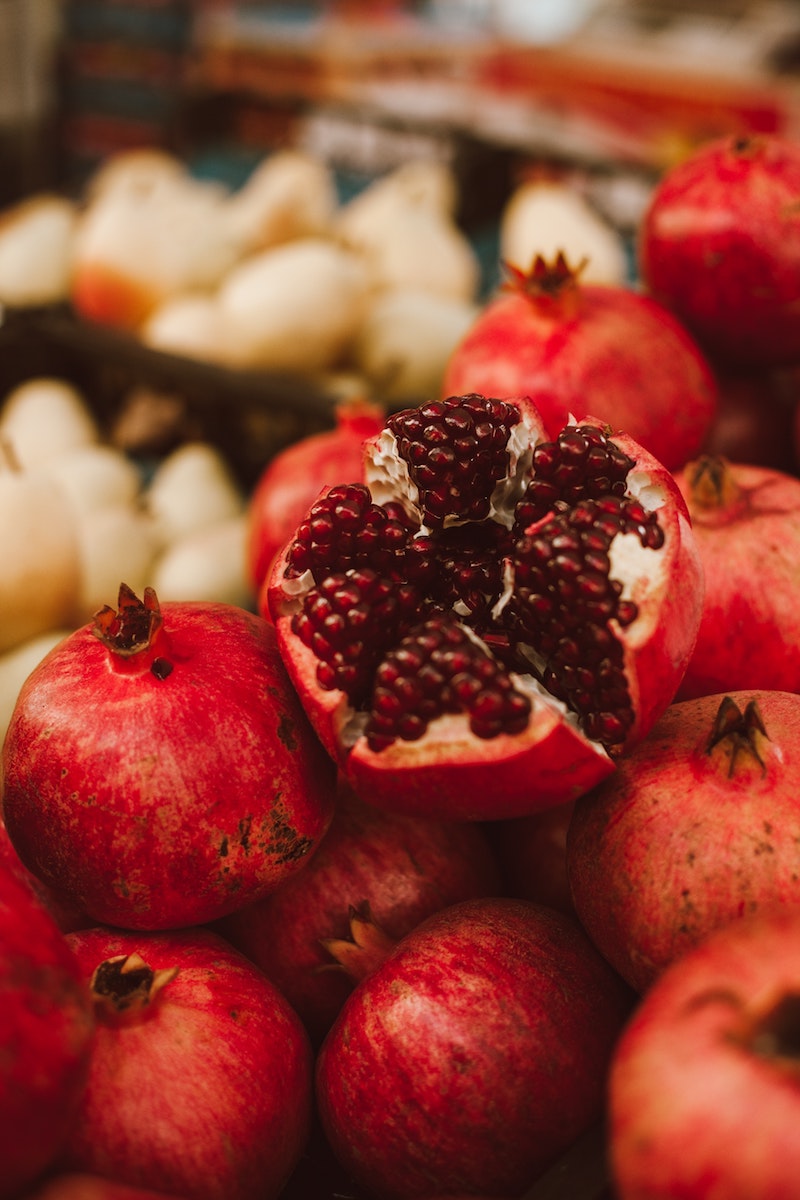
(47, 1036)
(746, 523)
(158, 769)
(295, 476)
(66, 915)
(698, 828)
(405, 867)
(200, 1083)
(719, 245)
(596, 350)
(486, 624)
(473, 1055)
(704, 1080)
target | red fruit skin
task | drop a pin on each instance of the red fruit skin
(473, 1056)
(695, 1111)
(206, 1093)
(405, 867)
(747, 533)
(601, 351)
(719, 245)
(290, 483)
(682, 841)
(158, 802)
(77, 1185)
(46, 1036)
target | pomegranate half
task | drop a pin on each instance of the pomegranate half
(486, 624)
(158, 769)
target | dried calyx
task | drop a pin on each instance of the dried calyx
(478, 565)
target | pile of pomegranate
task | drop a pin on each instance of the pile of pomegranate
(472, 849)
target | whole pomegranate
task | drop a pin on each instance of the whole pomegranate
(473, 1055)
(746, 523)
(486, 624)
(719, 245)
(699, 827)
(46, 1040)
(158, 768)
(200, 1081)
(292, 480)
(598, 350)
(703, 1096)
(404, 867)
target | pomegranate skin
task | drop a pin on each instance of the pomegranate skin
(746, 523)
(47, 1036)
(596, 350)
(688, 836)
(696, 1107)
(473, 1056)
(205, 1092)
(405, 868)
(293, 478)
(157, 798)
(77, 1185)
(719, 245)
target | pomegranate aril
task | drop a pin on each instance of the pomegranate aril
(458, 675)
(344, 529)
(455, 450)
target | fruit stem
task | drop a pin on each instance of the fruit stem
(545, 281)
(133, 630)
(736, 734)
(124, 986)
(365, 949)
(711, 482)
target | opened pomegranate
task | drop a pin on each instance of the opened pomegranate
(597, 350)
(473, 1055)
(200, 1081)
(704, 1098)
(294, 477)
(719, 245)
(746, 522)
(46, 1036)
(699, 827)
(486, 624)
(405, 868)
(158, 769)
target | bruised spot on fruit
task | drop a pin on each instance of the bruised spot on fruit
(244, 833)
(223, 848)
(286, 732)
(285, 842)
(161, 668)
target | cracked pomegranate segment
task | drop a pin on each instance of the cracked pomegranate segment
(481, 626)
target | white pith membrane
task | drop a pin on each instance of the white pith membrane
(638, 568)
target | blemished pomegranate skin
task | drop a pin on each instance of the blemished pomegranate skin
(699, 827)
(158, 769)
